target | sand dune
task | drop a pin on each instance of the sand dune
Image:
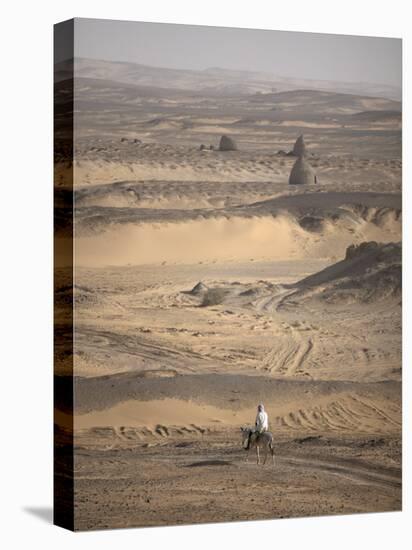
(227, 401)
(169, 417)
(204, 240)
(368, 273)
(266, 231)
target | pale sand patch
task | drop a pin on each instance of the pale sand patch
(224, 239)
(347, 412)
(167, 412)
(178, 412)
(303, 124)
(220, 120)
(216, 239)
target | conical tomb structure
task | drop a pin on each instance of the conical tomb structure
(299, 149)
(302, 173)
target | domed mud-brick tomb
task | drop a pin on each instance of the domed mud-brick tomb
(302, 172)
(227, 144)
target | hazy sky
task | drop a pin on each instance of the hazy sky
(290, 54)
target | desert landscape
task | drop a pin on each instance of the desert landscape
(205, 284)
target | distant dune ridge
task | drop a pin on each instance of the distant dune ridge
(212, 80)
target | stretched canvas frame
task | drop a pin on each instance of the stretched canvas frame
(227, 242)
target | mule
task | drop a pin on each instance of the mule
(263, 440)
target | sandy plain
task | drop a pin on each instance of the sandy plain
(205, 284)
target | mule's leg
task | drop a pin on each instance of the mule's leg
(266, 455)
(257, 454)
(272, 450)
